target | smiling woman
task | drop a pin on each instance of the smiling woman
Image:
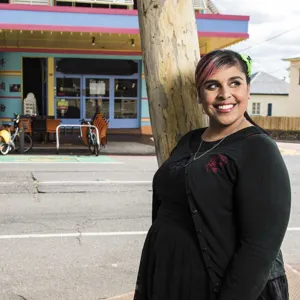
(221, 201)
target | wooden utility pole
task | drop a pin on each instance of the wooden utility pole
(170, 46)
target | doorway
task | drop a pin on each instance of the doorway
(35, 81)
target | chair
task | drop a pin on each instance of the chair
(51, 125)
(30, 107)
(102, 124)
(38, 127)
(26, 124)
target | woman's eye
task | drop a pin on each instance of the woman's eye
(235, 83)
(212, 86)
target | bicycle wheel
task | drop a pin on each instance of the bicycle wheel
(97, 148)
(90, 143)
(27, 143)
(4, 148)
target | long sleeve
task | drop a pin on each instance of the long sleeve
(155, 204)
(262, 207)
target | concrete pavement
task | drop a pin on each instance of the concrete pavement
(48, 197)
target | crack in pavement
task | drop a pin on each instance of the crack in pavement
(79, 237)
(22, 297)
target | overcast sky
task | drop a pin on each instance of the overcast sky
(267, 19)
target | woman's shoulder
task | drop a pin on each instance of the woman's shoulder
(185, 138)
(260, 140)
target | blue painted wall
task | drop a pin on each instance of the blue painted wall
(10, 102)
(107, 21)
(67, 19)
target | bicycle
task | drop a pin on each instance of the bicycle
(10, 142)
(91, 138)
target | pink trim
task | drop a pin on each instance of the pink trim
(72, 51)
(67, 9)
(69, 28)
(224, 34)
(107, 11)
(145, 98)
(10, 97)
(108, 30)
(222, 17)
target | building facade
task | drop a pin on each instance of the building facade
(269, 96)
(78, 57)
(294, 87)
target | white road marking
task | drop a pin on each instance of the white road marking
(88, 234)
(97, 182)
(75, 182)
(74, 234)
(64, 162)
(293, 229)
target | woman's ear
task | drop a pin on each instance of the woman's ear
(248, 91)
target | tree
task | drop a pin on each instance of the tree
(170, 46)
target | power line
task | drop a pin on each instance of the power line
(270, 39)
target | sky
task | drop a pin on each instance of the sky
(268, 18)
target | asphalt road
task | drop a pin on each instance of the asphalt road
(75, 230)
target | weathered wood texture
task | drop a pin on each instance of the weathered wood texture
(278, 123)
(170, 47)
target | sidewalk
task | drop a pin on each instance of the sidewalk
(292, 274)
(117, 145)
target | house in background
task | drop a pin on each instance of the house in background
(294, 88)
(269, 96)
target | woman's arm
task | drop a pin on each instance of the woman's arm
(155, 205)
(262, 206)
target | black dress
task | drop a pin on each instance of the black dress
(172, 266)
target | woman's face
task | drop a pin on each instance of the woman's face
(225, 96)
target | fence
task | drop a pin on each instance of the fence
(278, 123)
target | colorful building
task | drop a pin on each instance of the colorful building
(77, 56)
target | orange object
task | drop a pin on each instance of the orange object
(102, 125)
(51, 125)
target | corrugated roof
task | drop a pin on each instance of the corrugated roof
(212, 7)
(266, 84)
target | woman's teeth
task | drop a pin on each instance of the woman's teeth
(228, 106)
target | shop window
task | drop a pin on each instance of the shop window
(79, 4)
(97, 97)
(255, 108)
(93, 105)
(126, 99)
(68, 87)
(125, 109)
(68, 108)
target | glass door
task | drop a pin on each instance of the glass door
(96, 96)
(126, 103)
(68, 99)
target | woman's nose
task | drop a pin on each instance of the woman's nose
(224, 94)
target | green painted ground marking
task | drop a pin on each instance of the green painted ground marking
(55, 158)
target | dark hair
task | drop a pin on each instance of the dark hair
(213, 61)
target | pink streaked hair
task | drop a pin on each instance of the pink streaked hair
(213, 61)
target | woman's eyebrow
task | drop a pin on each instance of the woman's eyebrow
(235, 77)
(211, 81)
